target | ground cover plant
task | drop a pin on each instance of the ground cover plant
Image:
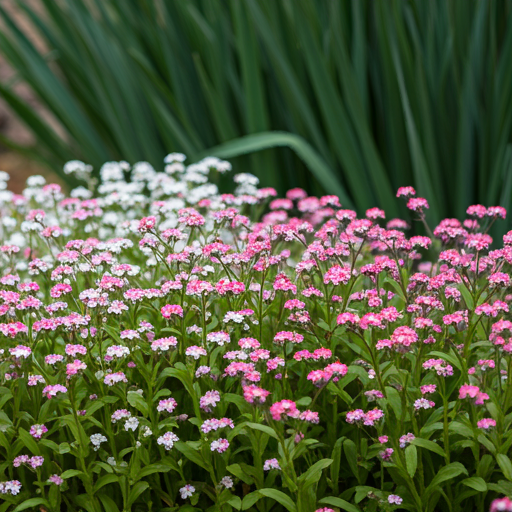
(369, 95)
(168, 347)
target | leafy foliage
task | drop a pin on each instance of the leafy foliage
(387, 93)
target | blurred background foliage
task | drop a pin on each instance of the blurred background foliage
(353, 97)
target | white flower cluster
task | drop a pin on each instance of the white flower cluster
(122, 193)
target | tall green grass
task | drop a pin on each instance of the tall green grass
(352, 97)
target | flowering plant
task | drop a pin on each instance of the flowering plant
(168, 347)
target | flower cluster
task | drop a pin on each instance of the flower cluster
(166, 343)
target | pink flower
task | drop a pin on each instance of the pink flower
(293, 337)
(51, 391)
(501, 505)
(405, 192)
(168, 440)
(37, 431)
(195, 352)
(73, 350)
(219, 445)
(428, 388)
(486, 423)
(75, 367)
(164, 344)
(467, 390)
(393, 499)
(120, 414)
(440, 366)
(404, 336)
(406, 439)
(169, 310)
(253, 393)
(209, 400)
(350, 318)
(373, 394)
(359, 416)
(215, 424)
(114, 378)
(21, 351)
(284, 408)
(373, 416)
(423, 403)
(337, 275)
(271, 464)
(496, 211)
(310, 417)
(56, 479)
(499, 279)
(417, 204)
(355, 416)
(375, 213)
(146, 224)
(319, 377)
(386, 454)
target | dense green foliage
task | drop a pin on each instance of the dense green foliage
(372, 95)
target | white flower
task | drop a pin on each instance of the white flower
(97, 439)
(174, 157)
(187, 491)
(81, 193)
(112, 171)
(9, 222)
(77, 167)
(131, 424)
(244, 178)
(35, 181)
(146, 431)
(227, 482)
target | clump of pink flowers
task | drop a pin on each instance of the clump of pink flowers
(167, 343)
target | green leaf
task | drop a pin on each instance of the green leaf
(105, 480)
(70, 473)
(64, 448)
(263, 428)
(335, 466)
(468, 299)
(192, 454)
(250, 499)
(338, 502)
(476, 483)
(446, 473)
(236, 469)
(137, 401)
(280, 497)
(349, 447)
(429, 445)
(395, 401)
(235, 502)
(108, 503)
(29, 441)
(411, 460)
(156, 468)
(31, 503)
(266, 140)
(313, 474)
(482, 439)
(505, 465)
(136, 491)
